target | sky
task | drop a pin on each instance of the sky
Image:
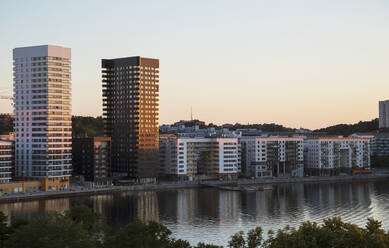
(299, 63)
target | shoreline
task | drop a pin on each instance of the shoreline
(184, 185)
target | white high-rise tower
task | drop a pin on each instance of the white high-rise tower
(42, 110)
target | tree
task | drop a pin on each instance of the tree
(203, 245)
(92, 222)
(87, 126)
(52, 230)
(141, 235)
(374, 235)
(4, 229)
(253, 239)
(81, 228)
(179, 243)
(237, 240)
(18, 222)
(332, 233)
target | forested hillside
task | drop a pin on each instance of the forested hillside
(345, 129)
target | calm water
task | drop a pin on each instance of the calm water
(213, 216)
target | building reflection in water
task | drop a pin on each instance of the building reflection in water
(32, 209)
(147, 206)
(194, 213)
(229, 207)
(122, 208)
(186, 200)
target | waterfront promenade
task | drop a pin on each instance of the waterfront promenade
(170, 185)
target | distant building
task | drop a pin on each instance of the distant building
(6, 123)
(380, 145)
(330, 156)
(92, 159)
(130, 110)
(250, 131)
(196, 131)
(7, 160)
(189, 123)
(42, 111)
(383, 114)
(272, 156)
(199, 158)
(371, 136)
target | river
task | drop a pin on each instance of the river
(212, 215)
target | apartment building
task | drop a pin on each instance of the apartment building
(380, 145)
(130, 111)
(7, 151)
(92, 159)
(199, 158)
(383, 110)
(272, 156)
(42, 112)
(330, 156)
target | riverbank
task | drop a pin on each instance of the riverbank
(182, 185)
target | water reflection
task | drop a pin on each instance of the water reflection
(213, 215)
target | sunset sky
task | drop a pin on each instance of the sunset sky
(297, 63)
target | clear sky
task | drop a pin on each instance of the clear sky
(299, 63)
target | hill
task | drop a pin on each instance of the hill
(87, 126)
(347, 129)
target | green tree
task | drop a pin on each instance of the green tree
(92, 222)
(253, 239)
(18, 222)
(237, 240)
(203, 245)
(140, 235)
(332, 233)
(374, 235)
(4, 229)
(52, 230)
(179, 243)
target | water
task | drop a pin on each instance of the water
(212, 216)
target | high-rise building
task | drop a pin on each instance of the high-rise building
(130, 110)
(383, 121)
(42, 112)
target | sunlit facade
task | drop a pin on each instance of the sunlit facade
(42, 110)
(130, 110)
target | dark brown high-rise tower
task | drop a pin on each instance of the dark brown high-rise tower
(130, 110)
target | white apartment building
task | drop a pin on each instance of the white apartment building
(199, 157)
(42, 111)
(329, 156)
(6, 160)
(383, 121)
(272, 156)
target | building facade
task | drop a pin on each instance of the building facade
(42, 111)
(330, 156)
(199, 158)
(272, 156)
(380, 145)
(383, 120)
(92, 159)
(7, 151)
(130, 110)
